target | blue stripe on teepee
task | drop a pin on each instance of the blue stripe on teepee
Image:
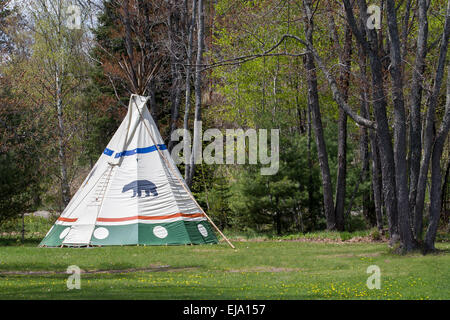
(108, 152)
(139, 150)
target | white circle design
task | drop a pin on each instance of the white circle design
(101, 233)
(64, 233)
(160, 232)
(202, 230)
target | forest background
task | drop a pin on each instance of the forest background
(359, 91)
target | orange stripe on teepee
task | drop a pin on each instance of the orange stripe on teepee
(67, 219)
(170, 216)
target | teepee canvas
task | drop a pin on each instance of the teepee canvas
(133, 195)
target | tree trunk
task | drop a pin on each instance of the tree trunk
(129, 47)
(401, 174)
(415, 134)
(341, 171)
(310, 170)
(444, 188)
(148, 47)
(197, 144)
(278, 216)
(65, 189)
(154, 109)
(345, 60)
(376, 178)
(23, 228)
(436, 177)
(187, 147)
(372, 137)
(371, 47)
(406, 27)
(429, 129)
(175, 37)
(313, 102)
(364, 135)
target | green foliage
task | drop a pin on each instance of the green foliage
(50, 75)
(35, 227)
(279, 201)
(17, 186)
(268, 92)
(345, 235)
(375, 235)
(219, 201)
(289, 201)
(356, 222)
(19, 157)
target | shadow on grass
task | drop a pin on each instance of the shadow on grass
(106, 288)
(437, 252)
(100, 271)
(15, 242)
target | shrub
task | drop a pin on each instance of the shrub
(356, 223)
(345, 236)
(375, 235)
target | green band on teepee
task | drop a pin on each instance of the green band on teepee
(173, 233)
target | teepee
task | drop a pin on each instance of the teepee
(133, 195)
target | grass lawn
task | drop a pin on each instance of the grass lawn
(256, 270)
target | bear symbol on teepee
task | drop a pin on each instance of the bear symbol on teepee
(141, 185)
